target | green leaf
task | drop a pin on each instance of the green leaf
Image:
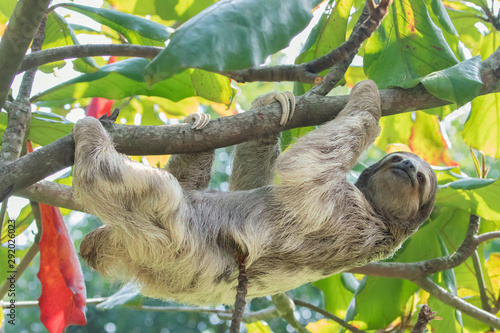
(470, 183)
(442, 15)
(482, 129)
(6, 9)
(328, 34)
(230, 35)
(59, 33)
(258, 327)
(459, 84)
(406, 47)
(337, 297)
(382, 299)
(136, 30)
(395, 129)
(182, 10)
(126, 78)
(483, 201)
(48, 127)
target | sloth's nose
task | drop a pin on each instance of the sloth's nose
(408, 165)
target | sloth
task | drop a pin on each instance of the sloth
(293, 216)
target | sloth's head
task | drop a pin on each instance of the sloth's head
(401, 187)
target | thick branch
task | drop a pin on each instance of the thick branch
(150, 140)
(19, 112)
(21, 29)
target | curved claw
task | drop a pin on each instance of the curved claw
(287, 101)
(197, 120)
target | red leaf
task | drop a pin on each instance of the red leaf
(62, 302)
(99, 106)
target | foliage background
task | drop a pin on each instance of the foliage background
(401, 53)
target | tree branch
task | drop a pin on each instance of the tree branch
(21, 29)
(340, 58)
(457, 303)
(19, 112)
(157, 140)
(416, 271)
(90, 50)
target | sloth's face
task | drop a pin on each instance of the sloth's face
(400, 186)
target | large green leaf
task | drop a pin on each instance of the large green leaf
(181, 10)
(406, 47)
(135, 29)
(126, 78)
(459, 84)
(48, 127)
(59, 33)
(382, 299)
(230, 35)
(328, 34)
(479, 196)
(337, 296)
(482, 129)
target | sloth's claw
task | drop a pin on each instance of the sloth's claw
(286, 99)
(197, 120)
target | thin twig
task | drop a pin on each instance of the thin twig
(241, 293)
(328, 315)
(458, 303)
(371, 18)
(480, 282)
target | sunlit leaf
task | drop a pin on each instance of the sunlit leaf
(427, 141)
(59, 33)
(483, 201)
(236, 34)
(395, 129)
(323, 326)
(406, 47)
(181, 10)
(126, 78)
(258, 327)
(22, 222)
(482, 129)
(48, 127)
(328, 34)
(6, 9)
(135, 29)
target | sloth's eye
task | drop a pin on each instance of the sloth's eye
(396, 158)
(421, 177)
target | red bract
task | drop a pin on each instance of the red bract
(62, 302)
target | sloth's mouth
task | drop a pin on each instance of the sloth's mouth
(402, 173)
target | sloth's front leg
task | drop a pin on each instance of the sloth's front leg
(254, 160)
(193, 170)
